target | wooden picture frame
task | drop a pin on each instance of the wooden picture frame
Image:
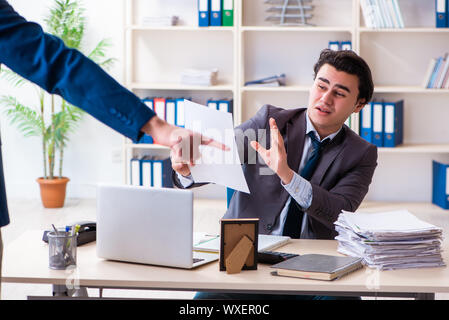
(238, 244)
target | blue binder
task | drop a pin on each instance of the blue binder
(441, 13)
(135, 172)
(346, 45)
(393, 123)
(440, 184)
(162, 173)
(378, 124)
(213, 104)
(229, 194)
(225, 105)
(366, 116)
(149, 102)
(334, 45)
(203, 13)
(146, 139)
(215, 13)
(170, 110)
(146, 171)
(180, 113)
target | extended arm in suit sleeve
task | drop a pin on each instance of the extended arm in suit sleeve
(45, 60)
(348, 192)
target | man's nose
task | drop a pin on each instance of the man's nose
(327, 97)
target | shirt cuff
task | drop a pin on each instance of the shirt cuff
(185, 181)
(301, 190)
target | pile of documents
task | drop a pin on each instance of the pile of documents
(273, 81)
(162, 21)
(389, 240)
(199, 77)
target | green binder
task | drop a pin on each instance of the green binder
(228, 13)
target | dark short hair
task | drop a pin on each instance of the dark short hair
(348, 61)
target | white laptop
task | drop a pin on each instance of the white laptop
(147, 225)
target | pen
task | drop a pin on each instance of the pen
(54, 228)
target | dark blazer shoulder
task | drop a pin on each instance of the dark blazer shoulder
(356, 140)
(359, 148)
(281, 115)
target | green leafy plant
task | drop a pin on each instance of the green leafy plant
(54, 119)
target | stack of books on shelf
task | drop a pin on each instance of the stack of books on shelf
(162, 21)
(150, 171)
(437, 74)
(199, 77)
(389, 240)
(382, 123)
(380, 14)
(272, 81)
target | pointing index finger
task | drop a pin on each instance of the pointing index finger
(212, 143)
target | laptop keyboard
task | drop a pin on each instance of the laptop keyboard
(195, 260)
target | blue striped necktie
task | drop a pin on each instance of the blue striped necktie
(292, 226)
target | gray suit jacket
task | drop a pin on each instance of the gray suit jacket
(340, 181)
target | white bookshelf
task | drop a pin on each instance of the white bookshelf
(254, 48)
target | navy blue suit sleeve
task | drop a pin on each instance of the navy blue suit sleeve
(44, 59)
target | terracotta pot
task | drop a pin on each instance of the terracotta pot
(53, 191)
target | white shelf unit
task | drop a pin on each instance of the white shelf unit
(398, 59)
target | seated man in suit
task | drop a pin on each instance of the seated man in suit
(319, 166)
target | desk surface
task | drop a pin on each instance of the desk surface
(26, 261)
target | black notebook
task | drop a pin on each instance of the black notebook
(317, 266)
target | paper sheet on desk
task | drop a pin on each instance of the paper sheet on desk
(215, 165)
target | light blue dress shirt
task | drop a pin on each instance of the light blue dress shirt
(299, 188)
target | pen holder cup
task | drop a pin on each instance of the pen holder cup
(62, 250)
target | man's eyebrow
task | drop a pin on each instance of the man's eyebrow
(343, 87)
(337, 85)
(324, 80)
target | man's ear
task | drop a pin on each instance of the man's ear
(359, 105)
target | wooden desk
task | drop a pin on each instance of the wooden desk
(26, 261)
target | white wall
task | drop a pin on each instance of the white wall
(91, 155)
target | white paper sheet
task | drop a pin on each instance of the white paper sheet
(215, 165)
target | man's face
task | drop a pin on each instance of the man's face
(332, 99)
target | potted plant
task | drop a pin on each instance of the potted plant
(54, 118)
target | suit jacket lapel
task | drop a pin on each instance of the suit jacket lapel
(294, 140)
(328, 156)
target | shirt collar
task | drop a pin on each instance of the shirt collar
(310, 127)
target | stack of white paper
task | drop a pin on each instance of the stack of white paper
(199, 77)
(389, 240)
